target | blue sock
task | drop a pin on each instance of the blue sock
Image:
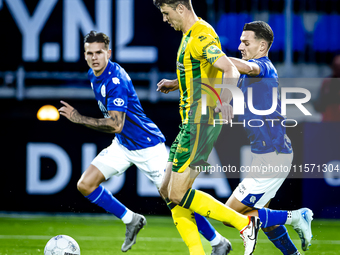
(280, 238)
(271, 218)
(102, 197)
(204, 227)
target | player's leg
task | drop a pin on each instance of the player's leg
(89, 186)
(183, 218)
(277, 234)
(219, 244)
(182, 178)
(300, 219)
(156, 156)
(111, 161)
(257, 192)
(186, 225)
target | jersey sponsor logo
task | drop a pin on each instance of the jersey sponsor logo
(103, 91)
(202, 38)
(115, 80)
(181, 149)
(118, 102)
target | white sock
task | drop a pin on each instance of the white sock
(216, 240)
(127, 218)
(293, 217)
(289, 218)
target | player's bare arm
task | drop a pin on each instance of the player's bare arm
(230, 77)
(165, 86)
(113, 124)
(245, 67)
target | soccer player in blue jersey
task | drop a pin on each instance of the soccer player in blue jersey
(137, 140)
(270, 145)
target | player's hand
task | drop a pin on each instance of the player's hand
(69, 112)
(226, 110)
(165, 86)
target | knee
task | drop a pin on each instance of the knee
(175, 197)
(84, 188)
(163, 190)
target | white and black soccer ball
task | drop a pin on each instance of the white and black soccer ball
(62, 245)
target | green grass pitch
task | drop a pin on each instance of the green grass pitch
(103, 234)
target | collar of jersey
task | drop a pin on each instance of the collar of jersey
(195, 24)
(103, 75)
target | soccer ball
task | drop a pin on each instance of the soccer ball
(62, 245)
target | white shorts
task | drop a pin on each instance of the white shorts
(258, 188)
(115, 159)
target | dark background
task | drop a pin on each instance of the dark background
(19, 125)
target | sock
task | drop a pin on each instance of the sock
(203, 225)
(271, 218)
(293, 217)
(280, 238)
(127, 218)
(102, 197)
(289, 218)
(187, 228)
(216, 240)
(208, 206)
(207, 230)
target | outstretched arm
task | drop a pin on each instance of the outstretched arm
(245, 67)
(113, 124)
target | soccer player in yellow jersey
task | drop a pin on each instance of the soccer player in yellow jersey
(200, 65)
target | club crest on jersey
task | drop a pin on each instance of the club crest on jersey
(184, 46)
(115, 80)
(213, 49)
(103, 91)
(118, 102)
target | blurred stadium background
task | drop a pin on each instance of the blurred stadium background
(42, 63)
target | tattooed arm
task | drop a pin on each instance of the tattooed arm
(114, 124)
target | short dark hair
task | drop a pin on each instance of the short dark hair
(173, 3)
(93, 36)
(262, 31)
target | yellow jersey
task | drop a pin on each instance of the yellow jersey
(199, 49)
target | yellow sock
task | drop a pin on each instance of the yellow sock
(208, 206)
(186, 225)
